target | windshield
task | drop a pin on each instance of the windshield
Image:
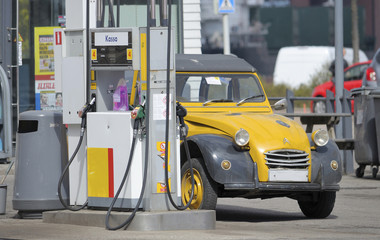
(218, 88)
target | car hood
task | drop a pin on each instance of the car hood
(321, 89)
(267, 131)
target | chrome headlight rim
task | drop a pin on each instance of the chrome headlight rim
(242, 137)
(320, 137)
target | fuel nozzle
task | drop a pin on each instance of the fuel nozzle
(138, 112)
(83, 113)
(181, 113)
(86, 108)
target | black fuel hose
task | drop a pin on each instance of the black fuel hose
(126, 223)
(167, 127)
(130, 218)
(83, 129)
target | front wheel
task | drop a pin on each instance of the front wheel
(205, 195)
(321, 207)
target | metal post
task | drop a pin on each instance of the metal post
(226, 35)
(163, 13)
(347, 133)
(290, 101)
(338, 62)
(329, 101)
(7, 118)
(18, 53)
(152, 13)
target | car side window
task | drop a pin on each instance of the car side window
(354, 73)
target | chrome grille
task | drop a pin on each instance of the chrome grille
(287, 158)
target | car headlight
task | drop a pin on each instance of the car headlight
(241, 137)
(320, 137)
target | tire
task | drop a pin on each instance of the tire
(374, 171)
(320, 208)
(359, 172)
(319, 107)
(205, 194)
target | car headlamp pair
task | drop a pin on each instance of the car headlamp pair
(320, 137)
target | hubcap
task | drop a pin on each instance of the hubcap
(320, 107)
(186, 189)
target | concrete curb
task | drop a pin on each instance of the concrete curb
(143, 221)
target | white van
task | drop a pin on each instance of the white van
(296, 65)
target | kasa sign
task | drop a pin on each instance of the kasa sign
(111, 38)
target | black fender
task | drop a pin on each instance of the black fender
(216, 148)
(321, 171)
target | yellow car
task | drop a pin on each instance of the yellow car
(240, 148)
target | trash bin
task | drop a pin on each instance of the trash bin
(365, 128)
(41, 154)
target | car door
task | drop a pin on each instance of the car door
(353, 76)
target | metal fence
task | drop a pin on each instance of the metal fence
(330, 118)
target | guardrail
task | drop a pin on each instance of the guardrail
(330, 119)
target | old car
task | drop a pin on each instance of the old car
(240, 148)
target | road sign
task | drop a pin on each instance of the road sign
(226, 6)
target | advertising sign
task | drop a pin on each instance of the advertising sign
(45, 90)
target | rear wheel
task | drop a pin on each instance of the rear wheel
(375, 170)
(360, 171)
(320, 207)
(205, 196)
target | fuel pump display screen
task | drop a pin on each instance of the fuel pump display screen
(111, 49)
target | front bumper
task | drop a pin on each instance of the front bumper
(283, 186)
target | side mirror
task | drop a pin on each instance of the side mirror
(280, 105)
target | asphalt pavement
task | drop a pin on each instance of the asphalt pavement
(356, 216)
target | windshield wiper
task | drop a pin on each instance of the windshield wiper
(248, 98)
(217, 100)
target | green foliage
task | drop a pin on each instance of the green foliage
(24, 26)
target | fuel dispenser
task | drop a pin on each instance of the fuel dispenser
(114, 53)
(118, 57)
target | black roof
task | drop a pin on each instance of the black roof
(211, 63)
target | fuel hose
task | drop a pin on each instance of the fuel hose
(167, 128)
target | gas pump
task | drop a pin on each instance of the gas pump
(125, 162)
(114, 58)
(115, 55)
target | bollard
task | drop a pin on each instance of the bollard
(3, 198)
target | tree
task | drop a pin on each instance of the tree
(355, 31)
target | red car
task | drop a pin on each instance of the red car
(352, 79)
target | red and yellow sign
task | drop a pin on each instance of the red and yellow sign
(100, 172)
(129, 54)
(161, 149)
(94, 54)
(161, 187)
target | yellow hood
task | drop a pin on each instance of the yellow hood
(267, 131)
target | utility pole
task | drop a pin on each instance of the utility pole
(338, 62)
